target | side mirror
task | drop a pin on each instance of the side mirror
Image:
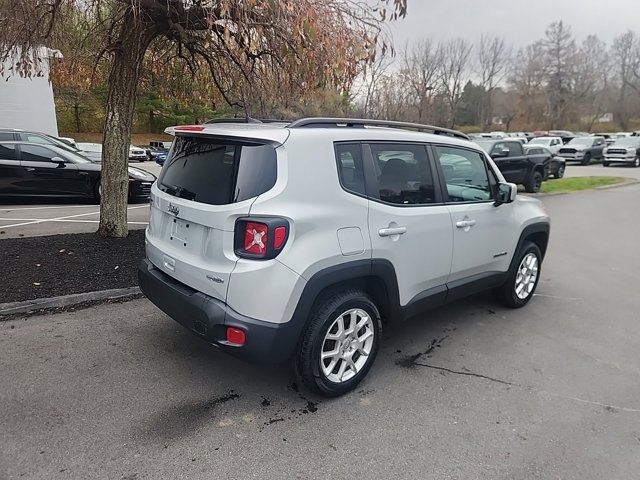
(58, 160)
(505, 193)
(501, 154)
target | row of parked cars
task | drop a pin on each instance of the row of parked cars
(610, 148)
(36, 164)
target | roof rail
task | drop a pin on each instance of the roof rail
(244, 120)
(320, 122)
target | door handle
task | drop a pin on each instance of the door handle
(29, 169)
(387, 232)
(465, 223)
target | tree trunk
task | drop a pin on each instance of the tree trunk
(76, 113)
(123, 82)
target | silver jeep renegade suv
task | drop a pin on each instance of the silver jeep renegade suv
(301, 241)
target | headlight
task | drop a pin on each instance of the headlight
(137, 173)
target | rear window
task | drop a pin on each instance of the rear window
(218, 172)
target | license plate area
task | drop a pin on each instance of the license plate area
(180, 232)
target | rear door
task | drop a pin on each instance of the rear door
(482, 232)
(10, 169)
(45, 177)
(206, 184)
(408, 223)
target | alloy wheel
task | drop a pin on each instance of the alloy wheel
(527, 276)
(347, 345)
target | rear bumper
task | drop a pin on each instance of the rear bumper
(209, 318)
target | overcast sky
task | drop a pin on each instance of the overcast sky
(520, 22)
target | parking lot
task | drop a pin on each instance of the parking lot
(468, 391)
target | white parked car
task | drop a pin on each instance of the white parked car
(623, 150)
(138, 154)
(301, 242)
(553, 144)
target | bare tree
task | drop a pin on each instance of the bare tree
(493, 60)
(422, 63)
(528, 80)
(315, 41)
(454, 67)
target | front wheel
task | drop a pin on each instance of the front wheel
(605, 164)
(340, 343)
(534, 182)
(97, 191)
(560, 172)
(636, 162)
(586, 160)
(520, 285)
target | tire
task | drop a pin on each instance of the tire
(605, 164)
(534, 182)
(97, 192)
(560, 172)
(310, 370)
(586, 160)
(636, 162)
(507, 294)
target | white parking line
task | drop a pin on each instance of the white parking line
(33, 222)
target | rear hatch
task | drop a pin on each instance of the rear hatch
(206, 184)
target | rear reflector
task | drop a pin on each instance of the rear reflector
(279, 237)
(236, 336)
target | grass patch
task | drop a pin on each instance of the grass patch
(578, 183)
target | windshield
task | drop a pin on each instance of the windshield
(90, 147)
(627, 142)
(485, 145)
(584, 142)
(69, 155)
(540, 141)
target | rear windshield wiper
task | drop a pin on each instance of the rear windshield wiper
(178, 191)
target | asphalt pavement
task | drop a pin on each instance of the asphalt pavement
(468, 391)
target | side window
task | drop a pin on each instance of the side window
(35, 153)
(465, 174)
(404, 174)
(350, 167)
(6, 137)
(498, 148)
(28, 137)
(8, 152)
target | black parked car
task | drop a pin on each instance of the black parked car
(32, 169)
(516, 166)
(557, 164)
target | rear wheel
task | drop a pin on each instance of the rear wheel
(605, 164)
(586, 160)
(521, 284)
(340, 343)
(560, 172)
(534, 182)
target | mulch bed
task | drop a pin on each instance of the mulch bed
(39, 267)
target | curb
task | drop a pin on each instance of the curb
(66, 300)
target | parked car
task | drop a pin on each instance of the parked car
(553, 144)
(516, 166)
(608, 137)
(306, 261)
(137, 154)
(557, 165)
(33, 169)
(158, 151)
(14, 134)
(93, 151)
(583, 149)
(565, 135)
(624, 150)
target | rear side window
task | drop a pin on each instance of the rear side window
(8, 152)
(35, 153)
(404, 174)
(350, 167)
(217, 172)
(6, 137)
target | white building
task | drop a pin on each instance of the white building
(27, 103)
